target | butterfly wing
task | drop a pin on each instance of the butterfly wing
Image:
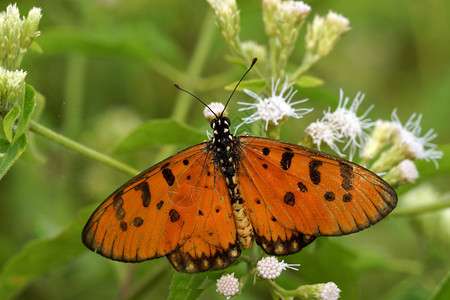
(294, 194)
(179, 208)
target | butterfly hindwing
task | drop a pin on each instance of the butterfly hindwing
(294, 194)
(213, 243)
(179, 208)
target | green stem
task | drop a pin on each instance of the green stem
(197, 63)
(203, 47)
(307, 62)
(408, 212)
(88, 152)
(273, 131)
(307, 142)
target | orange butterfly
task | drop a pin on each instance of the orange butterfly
(200, 206)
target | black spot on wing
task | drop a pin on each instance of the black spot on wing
(289, 199)
(174, 215)
(329, 196)
(286, 159)
(302, 187)
(347, 175)
(138, 221)
(117, 205)
(347, 197)
(123, 226)
(145, 192)
(168, 176)
(314, 173)
(159, 205)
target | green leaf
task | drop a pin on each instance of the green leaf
(187, 286)
(157, 133)
(4, 145)
(309, 82)
(8, 122)
(40, 256)
(11, 154)
(443, 291)
(36, 47)
(29, 102)
(252, 84)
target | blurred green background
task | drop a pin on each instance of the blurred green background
(109, 65)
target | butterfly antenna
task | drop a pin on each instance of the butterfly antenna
(248, 70)
(181, 89)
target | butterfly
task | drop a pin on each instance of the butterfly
(201, 206)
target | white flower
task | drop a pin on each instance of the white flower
(275, 108)
(408, 171)
(348, 123)
(322, 131)
(337, 19)
(325, 32)
(411, 143)
(404, 172)
(343, 123)
(12, 86)
(227, 17)
(30, 27)
(270, 268)
(214, 109)
(228, 285)
(330, 291)
(293, 9)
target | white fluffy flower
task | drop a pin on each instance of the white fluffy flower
(228, 285)
(348, 123)
(297, 9)
(338, 19)
(408, 171)
(411, 143)
(215, 109)
(323, 132)
(270, 268)
(330, 291)
(342, 124)
(275, 108)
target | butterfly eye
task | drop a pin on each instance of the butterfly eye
(226, 120)
(213, 123)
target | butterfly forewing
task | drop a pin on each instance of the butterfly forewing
(307, 191)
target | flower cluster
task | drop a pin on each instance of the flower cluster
(228, 285)
(12, 87)
(342, 124)
(282, 20)
(324, 33)
(270, 268)
(17, 34)
(276, 108)
(405, 142)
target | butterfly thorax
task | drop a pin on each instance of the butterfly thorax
(224, 147)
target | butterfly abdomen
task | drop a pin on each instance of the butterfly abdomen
(226, 158)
